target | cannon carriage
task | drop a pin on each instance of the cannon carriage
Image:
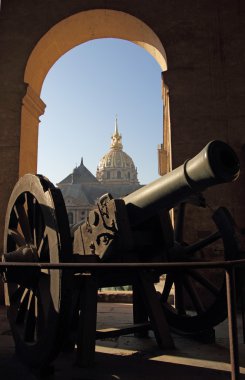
(44, 305)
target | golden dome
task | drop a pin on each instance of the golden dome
(116, 166)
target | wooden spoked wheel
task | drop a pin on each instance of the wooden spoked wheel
(199, 294)
(38, 301)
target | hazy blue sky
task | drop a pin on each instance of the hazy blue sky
(84, 91)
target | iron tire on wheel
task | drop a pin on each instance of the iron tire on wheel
(190, 314)
(38, 301)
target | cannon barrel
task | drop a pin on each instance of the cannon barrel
(216, 163)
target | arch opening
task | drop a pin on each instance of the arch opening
(68, 33)
(87, 26)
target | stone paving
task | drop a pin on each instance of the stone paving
(131, 358)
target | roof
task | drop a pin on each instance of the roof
(82, 195)
(79, 175)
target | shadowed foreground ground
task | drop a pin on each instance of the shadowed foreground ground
(127, 357)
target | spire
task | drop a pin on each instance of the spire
(81, 161)
(116, 126)
(116, 138)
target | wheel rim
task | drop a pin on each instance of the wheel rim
(37, 300)
(200, 294)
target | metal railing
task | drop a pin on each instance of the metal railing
(229, 267)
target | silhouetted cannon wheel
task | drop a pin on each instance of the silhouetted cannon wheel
(200, 294)
(37, 230)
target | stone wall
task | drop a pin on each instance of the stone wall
(204, 43)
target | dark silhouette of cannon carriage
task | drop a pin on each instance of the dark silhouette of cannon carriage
(49, 309)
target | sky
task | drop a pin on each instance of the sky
(84, 91)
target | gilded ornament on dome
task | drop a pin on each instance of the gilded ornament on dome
(115, 159)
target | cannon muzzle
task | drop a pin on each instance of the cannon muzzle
(216, 163)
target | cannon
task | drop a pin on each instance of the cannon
(135, 229)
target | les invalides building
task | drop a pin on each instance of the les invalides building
(116, 174)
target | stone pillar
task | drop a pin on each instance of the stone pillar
(164, 150)
(32, 108)
(18, 141)
(10, 120)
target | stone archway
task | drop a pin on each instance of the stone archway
(205, 74)
(68, 33)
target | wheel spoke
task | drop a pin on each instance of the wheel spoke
(31, 213)
(39, 228)
(16, 294)
(179, 296)
(203, 281)
(178, 233)
(43, 249)
(13, 222)
(40, 317)
(23, 307)
(23, 221)
(31, 319)
(17, 238)
(43, 295)
(167, 288)
(191, 290)
(193, 248)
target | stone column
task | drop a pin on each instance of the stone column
(32, 108)
(10, 120)
(164, 150)
(19, 121)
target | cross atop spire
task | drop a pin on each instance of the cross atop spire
(116, 138)
(116, 125)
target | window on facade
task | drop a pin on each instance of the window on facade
(128, 175)
(108, 175)
(118, 175)
(70, 218)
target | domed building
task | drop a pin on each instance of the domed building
(116, 174)
(117, 167)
